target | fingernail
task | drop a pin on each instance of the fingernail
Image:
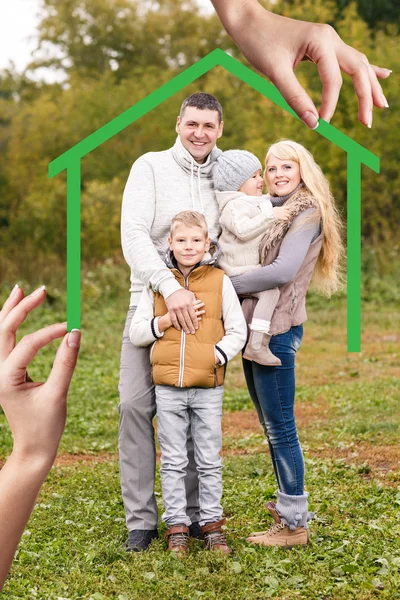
(370, 120)
(385, 101)
(74, 338)
(14, 290)
(41, 289)
(310, 119)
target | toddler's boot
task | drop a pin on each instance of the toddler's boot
(214, 538)
(257, 349)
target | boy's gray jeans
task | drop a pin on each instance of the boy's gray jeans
(137, 453)
(178, 409)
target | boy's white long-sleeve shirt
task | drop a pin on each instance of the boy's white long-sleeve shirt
(235, 327)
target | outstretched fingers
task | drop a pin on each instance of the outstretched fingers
(331, 79)
(295, 95)
(13, 314)
(28, 347)
(15, 296)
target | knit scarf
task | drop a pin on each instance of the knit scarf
(297, 202)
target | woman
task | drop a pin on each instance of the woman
(307, 246)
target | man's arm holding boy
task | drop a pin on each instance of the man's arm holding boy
(145, 328)
(138, 210)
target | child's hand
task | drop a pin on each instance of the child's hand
(198, 308)
(164, 323)
(281, 212)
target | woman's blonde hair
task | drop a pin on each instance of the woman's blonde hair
(327, 276)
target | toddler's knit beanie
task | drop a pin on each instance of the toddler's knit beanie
(232, 168)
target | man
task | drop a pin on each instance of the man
(160, 185)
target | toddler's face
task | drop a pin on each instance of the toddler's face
(281, 176)
(254, 185)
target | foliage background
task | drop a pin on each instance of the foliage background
(114, 52)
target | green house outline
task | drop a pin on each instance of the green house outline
(357, 155)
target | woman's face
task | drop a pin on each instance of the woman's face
(281, 176)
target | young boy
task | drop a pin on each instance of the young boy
(188, 372)
(245, 217)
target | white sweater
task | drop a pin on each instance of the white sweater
(235, 327)
(244, 220)
(160, 185)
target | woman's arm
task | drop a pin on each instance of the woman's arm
(275, 45)
(284, 268)
(35, 412)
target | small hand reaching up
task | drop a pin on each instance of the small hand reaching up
(281, 212)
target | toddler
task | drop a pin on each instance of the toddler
(245, 216)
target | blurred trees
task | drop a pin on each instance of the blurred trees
(114, 53)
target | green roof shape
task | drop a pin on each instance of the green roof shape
(356, 156)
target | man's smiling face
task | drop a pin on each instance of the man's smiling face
(199, 131)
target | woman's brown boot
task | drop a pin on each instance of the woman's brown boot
(178, 538)
(214, 538)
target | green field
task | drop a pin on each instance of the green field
(348, 417)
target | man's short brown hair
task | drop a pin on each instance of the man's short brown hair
(202, 101)
(190, 218)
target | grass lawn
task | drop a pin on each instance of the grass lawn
(348, 418)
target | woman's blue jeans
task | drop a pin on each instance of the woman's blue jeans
(272, 390)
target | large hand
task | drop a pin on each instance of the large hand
(36, 412)
(181, 310)
(275, 45)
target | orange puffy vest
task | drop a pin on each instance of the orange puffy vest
(182, 360)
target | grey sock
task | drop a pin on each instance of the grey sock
(293, 510)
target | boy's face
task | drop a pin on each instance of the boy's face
(188, 245)
(254, 185)
(199, 131)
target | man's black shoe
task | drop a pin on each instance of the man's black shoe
(140, 539)
(195, 531)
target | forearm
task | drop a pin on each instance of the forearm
(234, 324)
(145, 329)
(234, 14)
(284, 268)
(20, 482)
(138, 210)
(266, 278)
(144, 260)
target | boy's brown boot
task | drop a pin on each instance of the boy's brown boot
(257, 349)
(178, 538)
(279, 534)
(214, 538)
